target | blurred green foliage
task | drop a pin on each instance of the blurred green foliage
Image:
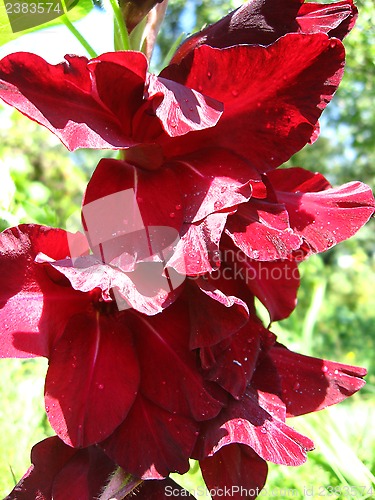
(41, 182)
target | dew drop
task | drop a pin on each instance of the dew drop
(296, 386)
(217, 205)
(259, 104)
(336, 372)
(263, 430)
(172, 215)
(178, 207)
(237, 362)
(325, 369)
(235, 93)
(209, 75)
(100, 386)
(333, 44)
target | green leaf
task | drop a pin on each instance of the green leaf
(77, 10)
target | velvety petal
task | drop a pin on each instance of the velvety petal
(131, 212)
(61, 98)
(260, 228)
(182, 109)
(310, 384)
(92, 379)
(274, 283)
(280, 117)
(322, 218)
(60, 472)
(147, 289)
(214, 315)
(35, 305)
(197, 250)
(160, 490)
(246, 422)
(162, 445)
(262, 22)
(213, 180)
(335, 19)
(232, 362)
(234, 468)
(172, 378)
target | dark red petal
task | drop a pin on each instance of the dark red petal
(122, 204)
(152, 442)
(260, 228)
(146, 288)
(213, 180)
(279, 117)
(35, 306)
(92, 379)
(246, 422)
(181, 109)
(322, 218)
(196, 252)
(236, 469)
(214, 316)
(60, 472)
(232, 362)
(61, 98)
(84, 476)
(171, 375)
(160, 490)
(48, 458)
(274, 283)
(311, 384)
(262, 22)
(258, 22)
(335, 19)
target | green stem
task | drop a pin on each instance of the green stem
(123, 32)
(120, 485)
(65, 19)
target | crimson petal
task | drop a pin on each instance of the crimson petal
(213, 180)
(231, 363)
(198, 249)
(262, 22)
(336, 19)
(274, 283)
(279, 118)
(92, 379)
(311, 384)
(247, 422)
(171, 378)
(214, 316)
(162, 445)
(182, 109)
(236, 469)
(260, 228)
(59, 471)
(61, 98)
(35, 305)
(322, 217)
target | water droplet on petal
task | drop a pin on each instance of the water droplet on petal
(209, 75)
(178, 207)
(235, 93)
(296, 386)
(336, 372)
(325, 369)
(100, 386)
(217, 205)
(333, 43)
(172, 215)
